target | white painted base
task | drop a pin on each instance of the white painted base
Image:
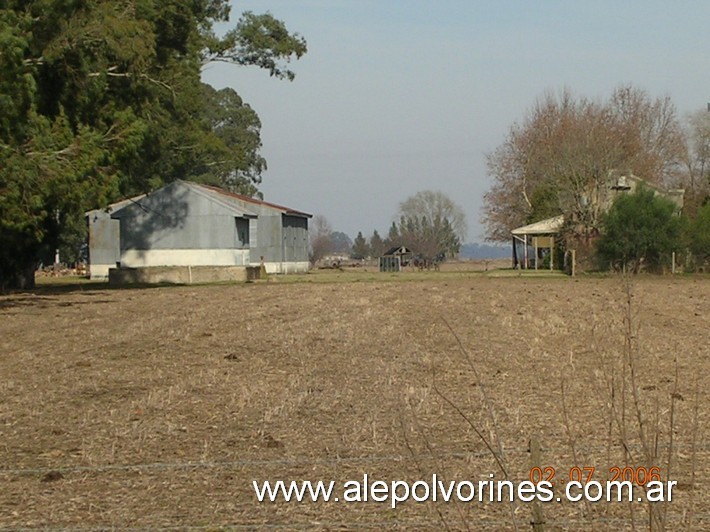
(139, 258)
(99, 272)
(285, 267)
(135, 258)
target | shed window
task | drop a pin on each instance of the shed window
(242, 229)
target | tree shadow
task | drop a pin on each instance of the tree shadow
(50, 296)
(151, 221)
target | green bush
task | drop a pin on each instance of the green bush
(699, 235)
(641, 230)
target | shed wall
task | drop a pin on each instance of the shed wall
(177, 218)
(268, 238)
(139, 258)
(104, 247)
(295, 238)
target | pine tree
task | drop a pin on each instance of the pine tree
(377, 245)
(393, 237)
(429, 238)
(360, 248)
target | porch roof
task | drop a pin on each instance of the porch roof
(543, 227)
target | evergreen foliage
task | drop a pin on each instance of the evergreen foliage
(377, 245)
(640, 230)
(432, 225)
(699, 235)
(101, 100)
(430, 239)
(360, 249)
(393, 236)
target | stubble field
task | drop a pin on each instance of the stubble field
(157, 408)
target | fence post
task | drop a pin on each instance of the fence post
(538, 521)
(673, 263)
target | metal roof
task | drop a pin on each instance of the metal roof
(224, 197)
(156, 200)
(248, 199)
(543, 227)
(396, 250)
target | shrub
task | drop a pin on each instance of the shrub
(640, 229)
(699, 235)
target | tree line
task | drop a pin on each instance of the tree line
(429, 223)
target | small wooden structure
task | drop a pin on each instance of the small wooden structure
(540, 235)
(395, 258)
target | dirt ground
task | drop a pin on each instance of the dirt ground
(158, 407)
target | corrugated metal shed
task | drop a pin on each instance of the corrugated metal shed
(190, 224)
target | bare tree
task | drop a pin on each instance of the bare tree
(558, 159)
(697, 178)
(653, 143)
(321, 242)
(699, 147)
(431, 205)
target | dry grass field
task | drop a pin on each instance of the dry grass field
(157, 407)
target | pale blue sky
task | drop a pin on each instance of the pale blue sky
(398, 96)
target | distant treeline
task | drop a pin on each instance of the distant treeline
(484, 251)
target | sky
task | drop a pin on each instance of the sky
(398, 96)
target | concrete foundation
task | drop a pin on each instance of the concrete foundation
(182, 274)
(99, 272)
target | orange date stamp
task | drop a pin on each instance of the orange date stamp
(584, 475)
